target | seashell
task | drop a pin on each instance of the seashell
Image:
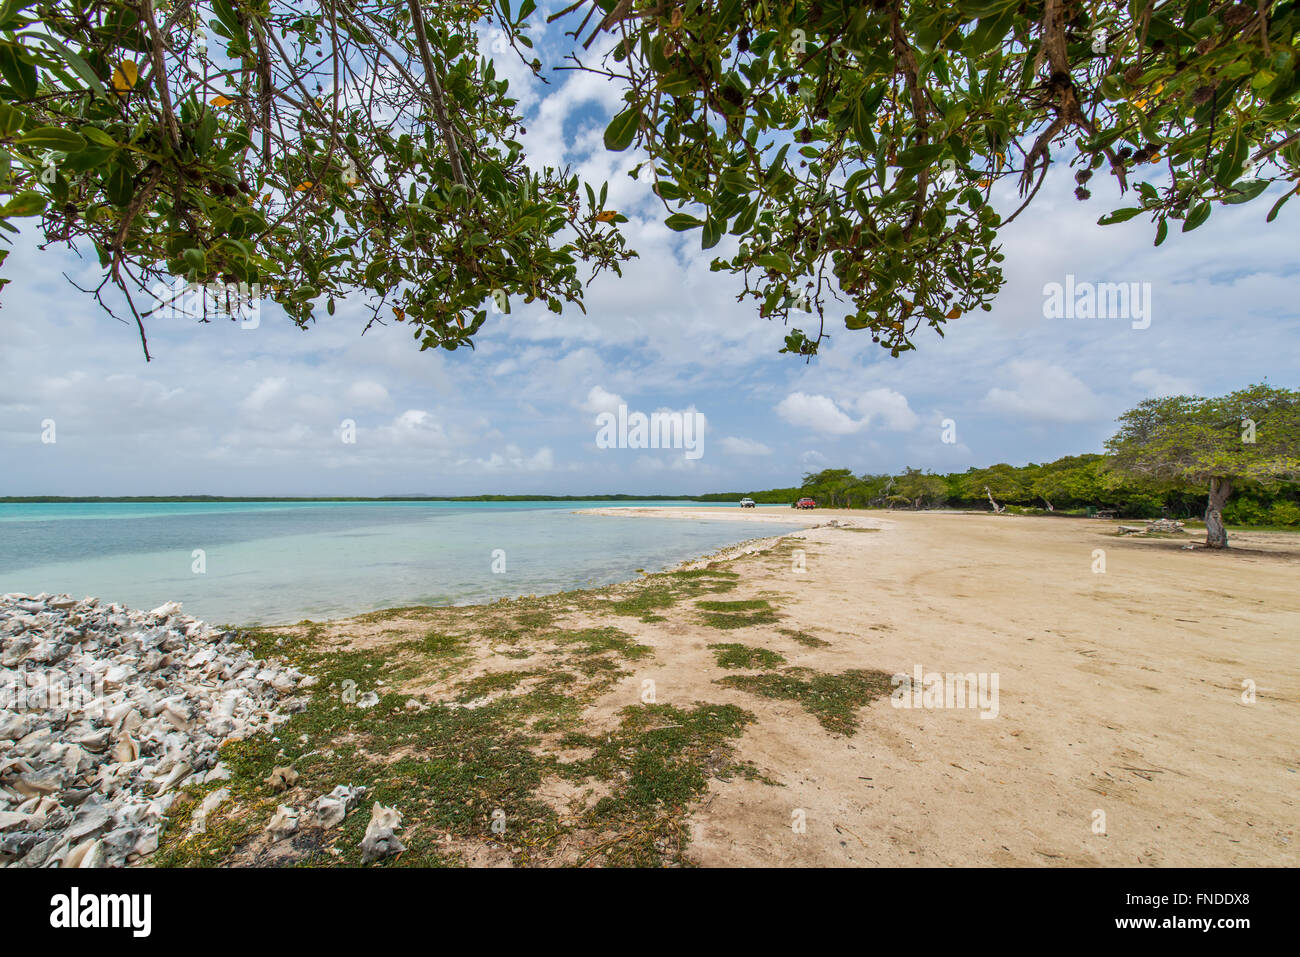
(15, 819)
(88, 821)
(281, 779)
(177, 714)
(53, 848)
(125, 749)
(202, 658)
(45, 781)
(380, 841)
(166, 610)
(330, 809)
(95, 740)
(89, 853)
(180, 771)
(147, 843)
(283, 823)
(199, 819)
(87, 781)
(117, 675)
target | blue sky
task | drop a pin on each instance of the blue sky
(225, 410)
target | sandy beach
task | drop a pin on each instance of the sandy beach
(1120, 692)
(1105, 701)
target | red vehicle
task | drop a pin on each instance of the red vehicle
(805, 503)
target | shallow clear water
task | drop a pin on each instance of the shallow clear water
(274, 562)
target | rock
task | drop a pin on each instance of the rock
(368, 700)
(380, 841)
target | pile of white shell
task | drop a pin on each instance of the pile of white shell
(106, 713)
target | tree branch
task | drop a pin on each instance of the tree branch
(439, 105)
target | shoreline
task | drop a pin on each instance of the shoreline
(688, 716)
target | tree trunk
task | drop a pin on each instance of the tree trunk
(1215, 535)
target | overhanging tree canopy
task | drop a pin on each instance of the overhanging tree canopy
(851, 147)
(320, 149)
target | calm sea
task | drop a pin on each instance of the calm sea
(280, 562)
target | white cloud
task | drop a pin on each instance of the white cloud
(734, 445)
(816, 412)
(600, 400)
(513, 459)
(881, 408)
(1045, 392)
(368, 394)
(1158, 384)
(414, 427)
(266, 390)
(888, 409)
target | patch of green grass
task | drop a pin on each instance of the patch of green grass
(745, 656)
(664, 756)
(832, 699)
(495, 681)
(595, 641)
(658, 592)
(750, 604)
(805, 639)
(435, 644)
(727, 615)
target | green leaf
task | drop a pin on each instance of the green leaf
(1245, 191)
(53, 138)
(1231, 159)
(119, 186)
(1272, 213)
(680, 222)
(74, 60)
(28, 203)
(1199, 214)
(18, 73)
(96, 135)
(1119, 215)
(11, 119)
(713, 230)
(10, 10)
(622, 129)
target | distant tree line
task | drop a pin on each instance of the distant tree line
(1243, 448)
(1069, 485)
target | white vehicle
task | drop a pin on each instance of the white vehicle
(747, 503)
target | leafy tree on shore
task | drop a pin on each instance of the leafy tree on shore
(350, 146)
(1249, 437)
(922, 489)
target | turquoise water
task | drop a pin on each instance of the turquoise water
(278, 562)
